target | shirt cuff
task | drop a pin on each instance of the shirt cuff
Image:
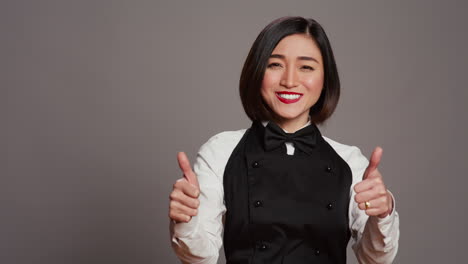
(183, 229)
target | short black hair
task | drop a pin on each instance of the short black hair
(255, 64)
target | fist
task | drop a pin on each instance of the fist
(184, 196)
(371, 193)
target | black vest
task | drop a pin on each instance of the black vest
(288, 209)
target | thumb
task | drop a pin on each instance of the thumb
(184, 165)
(373, 162)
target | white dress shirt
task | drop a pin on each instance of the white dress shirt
(374, 239)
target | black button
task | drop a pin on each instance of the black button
(258, 203)
(262, 247)
(328, 168)
(317, 251)
(255, 164)
(329, 206)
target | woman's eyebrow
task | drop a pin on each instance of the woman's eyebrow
(279, 56)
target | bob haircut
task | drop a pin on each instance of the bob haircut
(255, 64)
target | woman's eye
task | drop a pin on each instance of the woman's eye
(307, 67)
(274, 64)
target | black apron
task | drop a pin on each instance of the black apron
(288, 209)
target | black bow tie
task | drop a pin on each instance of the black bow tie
(304, 139)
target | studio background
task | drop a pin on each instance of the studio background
(97, 97)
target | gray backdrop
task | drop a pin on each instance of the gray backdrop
(99, 96)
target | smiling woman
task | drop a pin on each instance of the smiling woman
(280, 191)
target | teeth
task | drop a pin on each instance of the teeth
(289, 96)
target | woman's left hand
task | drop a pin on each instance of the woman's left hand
(371, 193)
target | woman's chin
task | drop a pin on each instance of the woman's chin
(288, 116)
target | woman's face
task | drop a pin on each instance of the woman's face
(293, 79)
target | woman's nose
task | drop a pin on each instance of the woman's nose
(289, 78)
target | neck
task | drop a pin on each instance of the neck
(292, 125)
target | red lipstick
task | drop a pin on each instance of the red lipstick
(288, 100)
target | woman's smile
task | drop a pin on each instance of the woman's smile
(289, 97)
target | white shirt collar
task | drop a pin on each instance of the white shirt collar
(265, 123)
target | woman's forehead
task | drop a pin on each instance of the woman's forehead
(297, 45)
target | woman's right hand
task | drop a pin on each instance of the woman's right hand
(184, 196)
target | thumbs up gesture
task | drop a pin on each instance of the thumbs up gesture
(371, 193)
(184, 196)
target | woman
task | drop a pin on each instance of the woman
(281, 191)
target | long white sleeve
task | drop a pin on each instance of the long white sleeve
(374, 239)
(200, 240)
